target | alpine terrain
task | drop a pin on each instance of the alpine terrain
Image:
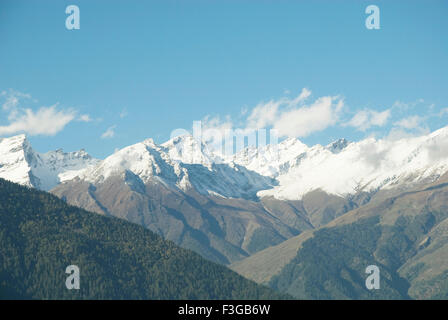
(305, 220)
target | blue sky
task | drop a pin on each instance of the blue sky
(139, 69)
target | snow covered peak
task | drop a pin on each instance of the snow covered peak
(16, 156)
(187, 149)
(273, 159)
(15, 140)
(144, 159)
(181, 164)
(292, 143)
(63, 166)
(287, 170)
(21, 164)
(368, 165)
(16, 146)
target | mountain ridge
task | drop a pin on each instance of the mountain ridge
(286, 171)
(20, 163)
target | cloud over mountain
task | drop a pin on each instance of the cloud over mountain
(44, 120)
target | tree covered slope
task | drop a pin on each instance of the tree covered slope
(40, 235)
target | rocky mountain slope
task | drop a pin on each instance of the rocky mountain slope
(220, 229)
(405, 235)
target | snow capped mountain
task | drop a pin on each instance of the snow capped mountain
(187, 149)
(20, 163)
(15, 160)
(181, 163)
(271, 160)
(368, 165)
(288, 170)
(144, 159)
(67, 165)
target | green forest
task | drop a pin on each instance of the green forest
(41, 235)
(331, 265)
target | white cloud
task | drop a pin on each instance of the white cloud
(264, 114)
(403, 106)
(214, 130)
(34, 121)
(12, 99)
(85, 118)
(288, 117)
(373, 155)
(45, 121)
(297, 117)
(379, 119)
(291, 118)
(367, 118)
(216, 123)
(306, 120)
(401, 133)
(412, 122)
(10, 103)
(410, 127)
(302, 96)
(442, 112)
(109, 133)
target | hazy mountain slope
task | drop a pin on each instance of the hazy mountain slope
(267, 263)
(315, 209)
(41, 235)
(404, 235)
(318, 207)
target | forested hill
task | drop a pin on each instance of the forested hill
(40, 235)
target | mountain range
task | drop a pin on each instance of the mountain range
(256, 209)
